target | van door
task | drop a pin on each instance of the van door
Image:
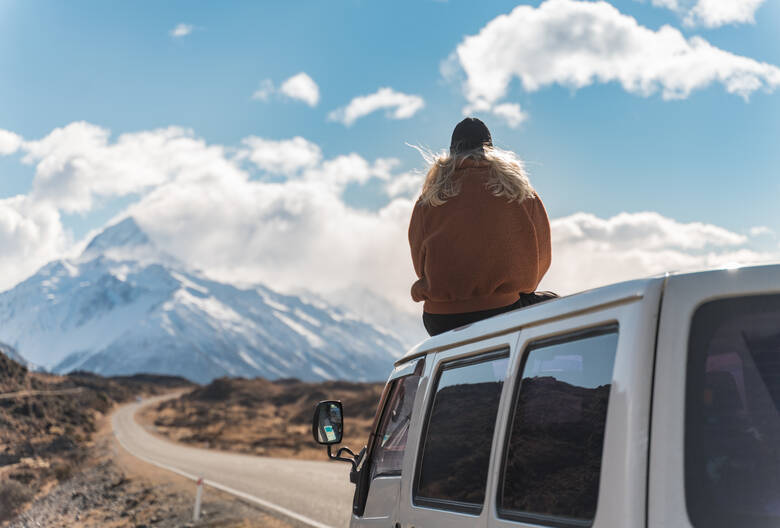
(447, 466)
(573, 430)
(715, 451)
(378, 488)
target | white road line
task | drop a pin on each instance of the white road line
(246, 496)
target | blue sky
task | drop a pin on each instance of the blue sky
(710, 157)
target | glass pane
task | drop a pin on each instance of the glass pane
(732, 436)
(454, 466)
(553, 456)
(388, 453)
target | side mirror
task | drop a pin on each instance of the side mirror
(327, 427)
(328, 423)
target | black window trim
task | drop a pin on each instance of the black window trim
(379, 425)
(556, 521)
(482, 356)
(395, 381)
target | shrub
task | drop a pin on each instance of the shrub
(62, 471)
(13, 497)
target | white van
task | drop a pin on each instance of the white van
(652, 403)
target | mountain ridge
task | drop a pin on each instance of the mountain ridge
(124, 306)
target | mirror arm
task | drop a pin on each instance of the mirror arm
(338, 456)
(347, 450)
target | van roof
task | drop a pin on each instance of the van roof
(578, 303)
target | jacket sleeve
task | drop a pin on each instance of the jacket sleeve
(416, 237)
(543, 239)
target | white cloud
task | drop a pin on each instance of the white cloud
(398, 105)
(757, 231)
(31, 235)
(301, 87)
(589, 251)
(713, 13)
(668, 4)
(182, 30)
(77, 163)
(512, 113)
(579, 43)
(290, 235)
(335, 174)
(649, 230)
(407, 184)
(716, 13)
(264, 91)
(284, 156)
(9, 142)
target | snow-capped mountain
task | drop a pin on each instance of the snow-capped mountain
(124, 307)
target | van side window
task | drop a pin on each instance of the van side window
(452, 471)
(732, 413)
(388, 452)
(552, 460)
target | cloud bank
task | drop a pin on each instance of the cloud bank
(273, 211)
(589, 251)
(398, 105)
(579, 43)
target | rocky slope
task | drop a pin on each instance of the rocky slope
(45, 435)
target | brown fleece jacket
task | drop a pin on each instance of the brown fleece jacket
(477, 251)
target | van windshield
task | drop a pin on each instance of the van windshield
(732, 435)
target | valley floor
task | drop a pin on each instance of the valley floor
(262, 417)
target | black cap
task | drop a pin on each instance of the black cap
(470, 134)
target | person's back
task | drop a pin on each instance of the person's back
(479, 234)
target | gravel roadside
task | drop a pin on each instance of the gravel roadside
(114, 489)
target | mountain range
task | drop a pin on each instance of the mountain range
(125, 306)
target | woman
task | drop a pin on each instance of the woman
(479, 234)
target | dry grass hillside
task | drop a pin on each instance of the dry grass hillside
(261, 417)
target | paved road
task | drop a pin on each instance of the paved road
(312, 493)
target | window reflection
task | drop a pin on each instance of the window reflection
(553, 457)
(454, 465)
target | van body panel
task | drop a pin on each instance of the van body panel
(382, 502)
(682, 296)
(621, 500)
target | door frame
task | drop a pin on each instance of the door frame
(622, 487)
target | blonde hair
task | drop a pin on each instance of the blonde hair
(507, 176)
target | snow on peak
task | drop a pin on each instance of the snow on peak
(123, 235)
(126, 241)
